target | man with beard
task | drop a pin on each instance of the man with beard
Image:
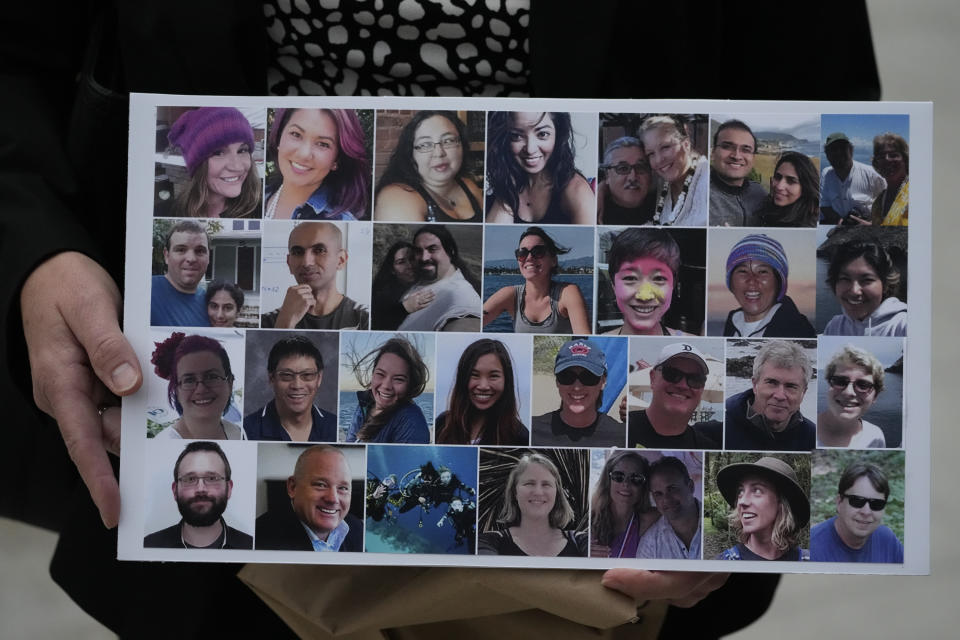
(201, 487)
(624, 195)
(315, 254)
(734, 198)
(677, 533)
(456, 305)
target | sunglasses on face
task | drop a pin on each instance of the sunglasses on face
(860, 386)
(636, 479)
(857, 502)
(569, 376)
(674, 375)
(538, 251)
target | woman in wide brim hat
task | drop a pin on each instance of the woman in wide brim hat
(769, 510)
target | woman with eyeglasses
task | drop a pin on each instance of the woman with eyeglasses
(620, 510)
(200, 387)
(531, 170)
(323, 170)
(426, 179)
(580, 369)
(794, 199)
(865, 281)
(643, 265)
(483, 401)
(757, 270)
(540, 304)
(854, 380)
(891, 158)
(534, 513)
(682, 200)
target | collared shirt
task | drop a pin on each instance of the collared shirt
(265, 425)
(855, 194)
(661, 541)
(333, 541)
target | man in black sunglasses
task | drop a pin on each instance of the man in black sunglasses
(856, 533)
(581, 374)
(676, 381)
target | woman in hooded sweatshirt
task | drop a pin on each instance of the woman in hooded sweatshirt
(757, 270)
(865, 280)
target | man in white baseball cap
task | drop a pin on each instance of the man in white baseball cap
(676, 380)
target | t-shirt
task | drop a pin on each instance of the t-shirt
(172, 308)
(827, 546)
(856, 193)
(550, 430)
(702, 435)
(349, 314)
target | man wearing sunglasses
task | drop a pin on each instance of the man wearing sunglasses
(734, 198)
(856, 533)
(295, 372)
(676, 382)
(581, 374)
(201, 487)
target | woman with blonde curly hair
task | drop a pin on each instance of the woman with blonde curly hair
(769, 510)
(620, 508)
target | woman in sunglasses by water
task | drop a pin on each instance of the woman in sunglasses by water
(854, 380)
(581, 375)
(540, 304)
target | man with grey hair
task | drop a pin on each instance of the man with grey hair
(767, 416)
(626, 194)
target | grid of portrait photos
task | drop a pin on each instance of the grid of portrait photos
(408, 333)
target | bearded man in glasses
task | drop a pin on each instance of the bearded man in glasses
(295, 371)
(201, 487)
(857, 533)
(581, 375)
(767, 416)
(676, 382)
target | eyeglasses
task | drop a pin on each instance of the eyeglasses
(860, 386)
(857, 502)
(208, 481)
(890, 155)
(729, 147)
(636, 479)
(427, 146)
(538, 251)
(209, 380)
(285, 375)
(674, 375)
(623, 169)
(569, 376)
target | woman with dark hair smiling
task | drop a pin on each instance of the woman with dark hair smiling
(532, 172)
(483, 401)
(323, 172)
(200, 387)
(396, 274)
(865, 281)
(794, 199)
(224, 301)
(426, 179)
(393, 375)
(535, 512)
(539, 305)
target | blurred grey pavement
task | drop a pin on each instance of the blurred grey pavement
(918, 51)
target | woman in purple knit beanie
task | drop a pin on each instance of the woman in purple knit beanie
(217, 145)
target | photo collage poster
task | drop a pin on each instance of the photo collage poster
(529, 333)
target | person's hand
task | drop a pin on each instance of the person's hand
(598, 550)
(79, 359)
(296, 303)
(859, 220)
(623, 409)
(679, 588)
(418, 300)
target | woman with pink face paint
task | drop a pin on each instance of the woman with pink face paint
(643, 266)
(539, 305)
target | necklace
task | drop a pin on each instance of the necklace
(680, 199)
(272, 207)
(446, 201)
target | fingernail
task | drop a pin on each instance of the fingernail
(123, 377)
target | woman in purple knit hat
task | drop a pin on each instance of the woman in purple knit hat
(217, 146)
